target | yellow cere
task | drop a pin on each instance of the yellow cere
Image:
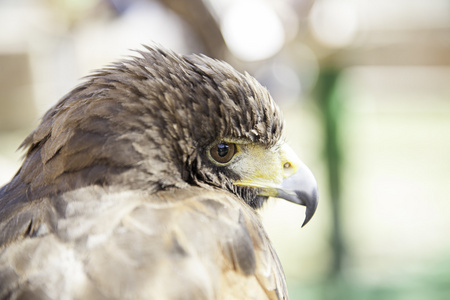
(264, 168)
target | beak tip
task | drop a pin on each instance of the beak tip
(311, 202)
(308, 197)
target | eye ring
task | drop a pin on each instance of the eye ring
(223, 152)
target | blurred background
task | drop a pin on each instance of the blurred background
(365, 90)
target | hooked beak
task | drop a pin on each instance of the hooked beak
(300, 188)
(281, 174)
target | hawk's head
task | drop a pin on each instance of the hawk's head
(165, 121)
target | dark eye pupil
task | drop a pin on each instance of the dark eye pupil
(222, 149)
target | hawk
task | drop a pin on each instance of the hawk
(144, 182)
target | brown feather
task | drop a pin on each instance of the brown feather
(132, 245)
(116, 198)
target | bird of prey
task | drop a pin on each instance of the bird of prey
(144, 182)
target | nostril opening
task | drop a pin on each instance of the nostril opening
(287, 165)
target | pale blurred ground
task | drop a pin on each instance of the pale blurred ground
(393, 95)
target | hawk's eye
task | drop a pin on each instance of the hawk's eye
(223, 152)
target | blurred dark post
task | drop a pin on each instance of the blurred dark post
(330, 105)
(16, 99)
(203, 25)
